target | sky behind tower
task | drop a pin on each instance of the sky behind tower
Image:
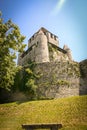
(65, 18)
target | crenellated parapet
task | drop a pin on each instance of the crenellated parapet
(51, 38)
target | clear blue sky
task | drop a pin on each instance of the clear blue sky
(65, 18)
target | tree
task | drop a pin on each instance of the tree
(10, 42)
(27, 80)
(30, 83)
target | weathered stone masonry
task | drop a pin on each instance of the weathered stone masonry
(58, 79)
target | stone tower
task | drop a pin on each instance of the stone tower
(43, 46)
(42, 52)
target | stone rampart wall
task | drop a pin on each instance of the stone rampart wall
(60, 79)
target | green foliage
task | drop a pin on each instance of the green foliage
(30, 83)
(27, 80)
(63, 82)
(31, 87)
(10, 43)
(70, 112)
(29, 71)
(51, 49)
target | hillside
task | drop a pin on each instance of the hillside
(71, 112)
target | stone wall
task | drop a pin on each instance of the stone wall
(61, 79)
(56, 55)
(58, 79)
(83, 78)
(55, 80)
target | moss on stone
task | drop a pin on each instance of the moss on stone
(63, 82)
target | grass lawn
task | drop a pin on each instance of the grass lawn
(70, 112)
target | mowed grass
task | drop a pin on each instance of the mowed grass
(70, 112)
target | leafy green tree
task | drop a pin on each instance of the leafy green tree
(10, 43)
(26, 81)
(30, 83)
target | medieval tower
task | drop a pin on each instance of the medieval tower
(43, 46)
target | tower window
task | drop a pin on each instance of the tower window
(44, 33)
(54, 37)
(33, 37)
(30, 40)
(37, 44)
(51, 35)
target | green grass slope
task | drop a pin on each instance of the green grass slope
(70, 112)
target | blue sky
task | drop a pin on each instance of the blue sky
(65, 18)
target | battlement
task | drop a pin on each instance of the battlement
(50, 37)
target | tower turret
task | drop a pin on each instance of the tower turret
(67, 49)
(43, 47)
